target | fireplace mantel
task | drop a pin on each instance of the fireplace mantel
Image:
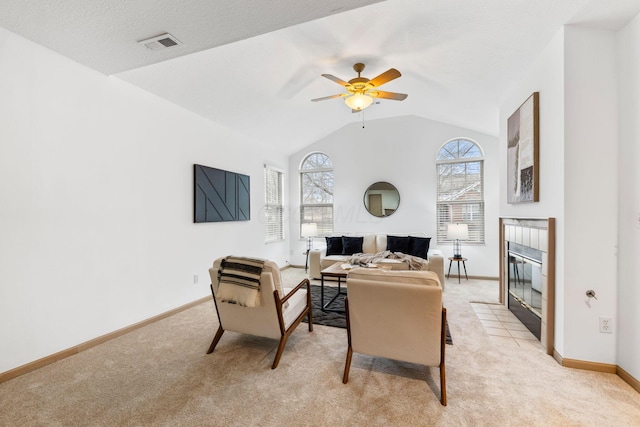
(536, 233)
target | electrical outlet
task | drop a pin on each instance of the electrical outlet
(195, 279)
(606, 325)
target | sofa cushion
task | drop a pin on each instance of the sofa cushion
(351, 245)
(369, 244)
(419, 246)
(398, 244)
(428, 278)
(334, 245)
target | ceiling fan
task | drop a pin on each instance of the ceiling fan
(361, 90)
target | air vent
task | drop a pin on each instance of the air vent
(161, 42)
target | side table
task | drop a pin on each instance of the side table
(458, 260)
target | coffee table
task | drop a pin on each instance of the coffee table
(334, 270)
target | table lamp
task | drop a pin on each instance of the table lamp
(309, 230)
(457, 232)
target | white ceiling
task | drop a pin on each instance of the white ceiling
(254, 65)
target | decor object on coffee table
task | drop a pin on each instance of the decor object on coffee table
(273, 313)
(397, 315)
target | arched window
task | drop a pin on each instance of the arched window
(460, 169)
(316, 192)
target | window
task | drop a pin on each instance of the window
(460, 192)
(273, 205)
(316, 192)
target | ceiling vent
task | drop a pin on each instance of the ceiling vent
(161, 42)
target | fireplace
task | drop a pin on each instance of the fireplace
(525, 285)
(527, 274)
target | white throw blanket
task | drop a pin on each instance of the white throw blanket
(414, 262)
(239, 281)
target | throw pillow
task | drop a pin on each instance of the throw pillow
(334, 245)
(419, 246)
(351, 245)
(398, 244)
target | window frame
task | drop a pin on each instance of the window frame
(470, 211)
(323, 216)
(273, 224)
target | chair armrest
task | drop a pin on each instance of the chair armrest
(294, 290)
(315, 257)
(436, 264)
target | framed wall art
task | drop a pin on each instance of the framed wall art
(523, 175)
(220, 195)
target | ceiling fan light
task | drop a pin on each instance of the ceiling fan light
(358, 101)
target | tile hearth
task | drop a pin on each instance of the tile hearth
(503, 327)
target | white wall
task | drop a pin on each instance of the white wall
(401, 151)
(96, 193)
(591, 220)
(545, 76)
(628, 321)
(576, 78)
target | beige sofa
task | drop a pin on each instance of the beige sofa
(373, 244)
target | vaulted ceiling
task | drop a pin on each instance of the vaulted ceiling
(254, 65)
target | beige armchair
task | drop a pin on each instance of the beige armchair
(397, 315)
(279, 311)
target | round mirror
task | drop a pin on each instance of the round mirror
(381, 199)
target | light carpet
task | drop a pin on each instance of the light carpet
(160, 375)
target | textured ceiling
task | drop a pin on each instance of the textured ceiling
(253, 66)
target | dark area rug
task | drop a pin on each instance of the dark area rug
(337, 320)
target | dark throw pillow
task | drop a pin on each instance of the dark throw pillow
(351, 245)
(334, 245)
(398, 244)
(419, 246)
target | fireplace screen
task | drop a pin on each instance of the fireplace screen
(525, 286)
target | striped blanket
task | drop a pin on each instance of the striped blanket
(239, 281)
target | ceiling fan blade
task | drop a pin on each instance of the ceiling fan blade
(388, 95)
(340, 95)
(335, 79)
(385, 77)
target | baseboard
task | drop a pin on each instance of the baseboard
(599, 367)
(47, 360)
(629, 379)
(590, 366)
(483, 278)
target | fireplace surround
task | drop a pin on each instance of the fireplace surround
(527, 273)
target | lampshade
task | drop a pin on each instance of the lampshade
(458, 231)
(358, 101)
(309, 229)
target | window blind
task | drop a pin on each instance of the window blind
(274, 205)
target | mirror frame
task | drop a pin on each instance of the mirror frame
(378, 187)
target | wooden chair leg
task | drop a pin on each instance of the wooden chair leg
(443, 343)
(283, 342)
(347, 365)
(309, 307)
(443, 386)
(215, 340)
